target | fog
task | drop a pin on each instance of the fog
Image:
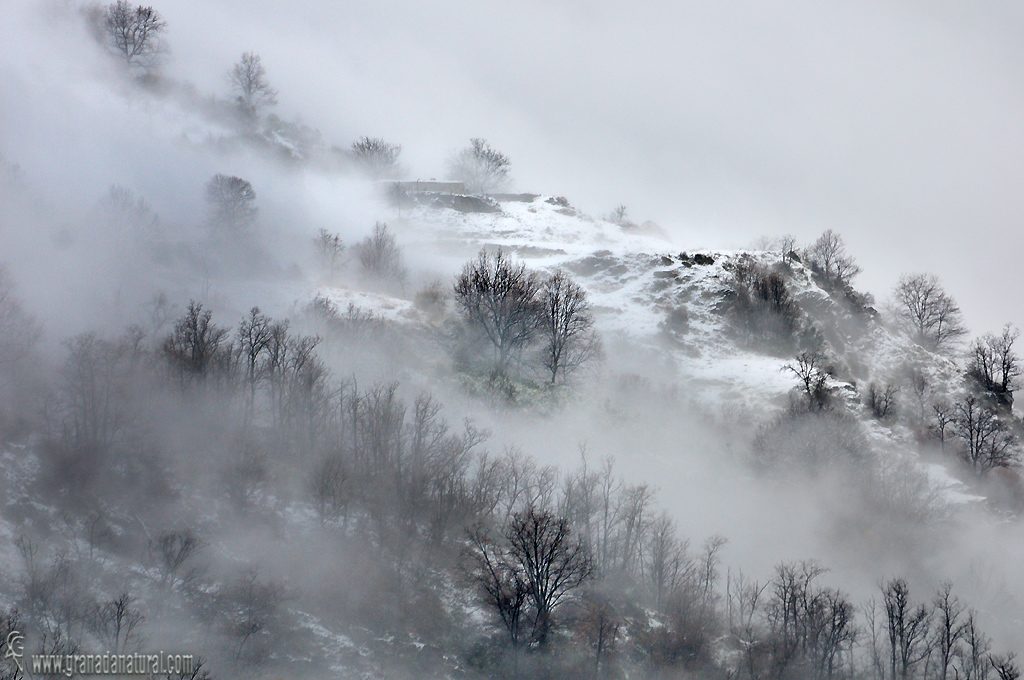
(897, 126)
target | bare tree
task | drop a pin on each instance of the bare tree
(787, 245)
(231, 202)
(529, 571)
(944, 422)
(19, 332)
(380, 254)
(974, 654)
(618, 215)
(116, 623)
(195, 345)
(133, 33)
(502, 582)
(907, 626)
(249, 82)
(553, 562)
(567, 325)
(174, 550)
(808, 625)
(987, 441)
(127, 212)
(96, 381)
(480, 167)
(881, 399)
(926, 313)
(499, 298)
(948, 629)
(812, 371)
(329, 248)
(253, 340)
(994, 364)
(377, 157)
(252, 607)
(828, 257)
(1005, 667)
(331, 487)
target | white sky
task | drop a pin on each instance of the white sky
(897, 124)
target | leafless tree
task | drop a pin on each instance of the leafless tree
(195, 345)
(881, 399)
(667, 564)
(19, 332)
(808, 625)
(567, 325)
(96, 381)
(133, 33)
(252, 607)
(987, 441)
(994, 364)
(129, 213)
(761, 307)
(249, 82)
(926, 313)
(529, 571)
(599, 624)
(1005, 666)
(331, 488)
(812, 371)
(252, 340)
(916, 381)
(828, 257)
(974, 654)
(907, 626)
(502, 582)
(231, 202)
(618, 215)
(329, 247)
(377, 157)
(944, 422)
(480, 167)
(116, 623)
(787, 245)
(552, 560)
(499, 298)
(380, 254)
(948, 629)
(175, 550)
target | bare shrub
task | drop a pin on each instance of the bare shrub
(432, 300)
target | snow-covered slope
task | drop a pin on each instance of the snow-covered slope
(664, 303)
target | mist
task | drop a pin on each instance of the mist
(266, 510)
